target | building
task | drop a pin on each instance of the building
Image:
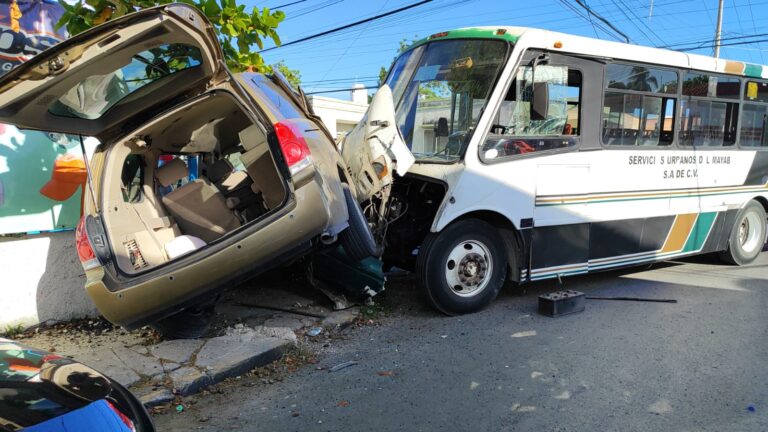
(339, 115)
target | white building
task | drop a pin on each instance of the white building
(339, 115)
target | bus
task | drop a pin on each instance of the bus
(540, 155)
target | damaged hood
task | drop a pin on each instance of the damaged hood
(374, 150)
(123, 71)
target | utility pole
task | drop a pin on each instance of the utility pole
(719, 31)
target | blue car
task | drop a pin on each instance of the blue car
(44, 392)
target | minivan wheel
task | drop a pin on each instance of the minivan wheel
(748, 235)
(357, 239)
(462, 268)
(190, 323)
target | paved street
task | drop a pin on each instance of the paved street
(699, 364)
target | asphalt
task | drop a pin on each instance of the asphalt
(695, 365)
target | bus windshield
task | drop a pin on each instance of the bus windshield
(440, 89)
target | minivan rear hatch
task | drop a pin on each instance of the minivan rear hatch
(115, 75)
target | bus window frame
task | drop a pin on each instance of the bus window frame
(528, 55)
(744, 102)
(738, 101)
(676, 115)
(507, 58)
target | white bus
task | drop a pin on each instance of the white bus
(541, 155)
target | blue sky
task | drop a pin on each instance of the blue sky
(358, 53)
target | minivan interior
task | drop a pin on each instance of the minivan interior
(185, 180)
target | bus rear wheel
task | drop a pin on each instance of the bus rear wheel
(748, 235)
(461, 269)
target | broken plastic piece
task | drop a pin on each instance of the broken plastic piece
(341, 366)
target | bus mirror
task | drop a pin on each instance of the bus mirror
(441, 128)
(540, 101)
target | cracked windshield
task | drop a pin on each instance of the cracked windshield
(440, 90)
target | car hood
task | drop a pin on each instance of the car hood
(374, 149)
(96, 83)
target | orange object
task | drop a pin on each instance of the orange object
(15, 17)
(69, 174)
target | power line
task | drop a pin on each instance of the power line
(341, 90)
(354, 24)
(289, 4)
(605, 21)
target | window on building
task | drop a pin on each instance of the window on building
(518, 129)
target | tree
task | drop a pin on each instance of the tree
(238, 29)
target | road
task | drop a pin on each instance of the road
(697, 365)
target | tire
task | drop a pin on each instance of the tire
(479, 249)
(357, 239)
(190, 323)
(747, 236)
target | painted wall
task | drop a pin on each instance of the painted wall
(42, 279)
(41, 275)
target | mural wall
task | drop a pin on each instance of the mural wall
(27, 27)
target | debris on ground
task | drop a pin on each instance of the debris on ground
(341, 366)
(314, 331)
(522, 334)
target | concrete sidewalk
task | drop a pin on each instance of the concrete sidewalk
(253, 327)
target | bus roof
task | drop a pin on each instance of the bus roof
(545, 39)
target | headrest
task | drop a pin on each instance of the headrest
(252, 137)
(171, 172)
(220, 170)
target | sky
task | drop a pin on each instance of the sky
(356, 55)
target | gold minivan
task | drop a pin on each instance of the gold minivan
(203, 178)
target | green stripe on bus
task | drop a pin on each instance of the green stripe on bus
(700, 232)
(752, 70)
(599, 201)
(469, 33)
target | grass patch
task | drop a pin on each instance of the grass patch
(12, 331)
(375, 310)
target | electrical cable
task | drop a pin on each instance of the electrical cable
(350, 25)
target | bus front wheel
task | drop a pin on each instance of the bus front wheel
(748, 235)
(462, 268)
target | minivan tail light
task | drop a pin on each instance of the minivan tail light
(294, 146)
(84, 248)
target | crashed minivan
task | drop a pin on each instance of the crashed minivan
(201, 179)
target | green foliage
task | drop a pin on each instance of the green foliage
(238, 28)
(13, 331)
(293, 76)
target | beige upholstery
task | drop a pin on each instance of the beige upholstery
(201, 210)
(171, 172)
(258, 162)
(252, 137)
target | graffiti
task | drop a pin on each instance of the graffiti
(30, 33)
(27, 27)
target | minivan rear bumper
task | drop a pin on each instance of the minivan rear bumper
(133, 304)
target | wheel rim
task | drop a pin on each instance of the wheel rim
(751, 232)
(468, 268)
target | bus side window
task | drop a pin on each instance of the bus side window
(754, 123)
(639, 106)
(515, 132)
(710, 110)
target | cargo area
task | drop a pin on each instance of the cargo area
(189, 178)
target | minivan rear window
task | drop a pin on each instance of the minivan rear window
(96, 94)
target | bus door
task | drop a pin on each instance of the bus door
(544, 127)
